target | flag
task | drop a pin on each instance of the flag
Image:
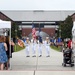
(20, 43)
(40, 38)
(33, 31)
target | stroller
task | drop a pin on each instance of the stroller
(68, 57)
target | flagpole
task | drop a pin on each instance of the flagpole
(32, 24)
(39, 31)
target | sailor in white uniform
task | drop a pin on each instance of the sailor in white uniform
(33, 41)
(27, 43)
(40, 46)
(47, 45)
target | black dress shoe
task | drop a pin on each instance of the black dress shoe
(40, 55)
(48, 56)
(27, 56)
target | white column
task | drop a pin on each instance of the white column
(73, 37)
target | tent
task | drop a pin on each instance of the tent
(6, 25)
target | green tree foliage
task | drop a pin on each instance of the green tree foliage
(15, 32)
(66, 28)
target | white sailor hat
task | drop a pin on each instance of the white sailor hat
(27, 38)
(47, 37)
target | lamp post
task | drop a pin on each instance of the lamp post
(15, 38)
(56, 31)
(20, 30)
(15, 33)
(6, 32)
(59, 32)
(24, 34)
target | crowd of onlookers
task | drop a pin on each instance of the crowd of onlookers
(63, 43)
(56, 41)
(6, 50)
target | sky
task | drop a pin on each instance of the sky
(37, 4)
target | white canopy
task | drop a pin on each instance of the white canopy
(5, 24)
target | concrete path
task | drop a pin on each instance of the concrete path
(37, 72)
(54, 62)
(21, 62)
(22, 65)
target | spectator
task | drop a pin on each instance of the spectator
(52, 41)
(69, 44)
(40, 46)
(59, 41)
(9, 52)
(55, 42)
(3, 49)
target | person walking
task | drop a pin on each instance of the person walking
(3, 55)
(9, 52)
(40, 46)
(27, 42)
(47, 45)
(69, 44)
(34, 42)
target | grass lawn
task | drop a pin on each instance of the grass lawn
(56, 48)
(18, 48)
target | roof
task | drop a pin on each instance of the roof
(37, 15)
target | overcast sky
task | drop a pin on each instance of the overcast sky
(37, 4)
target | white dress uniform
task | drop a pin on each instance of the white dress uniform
(47, 45)
(40, 48)
(33, 47)
(27, 48)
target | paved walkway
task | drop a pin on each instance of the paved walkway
(21, 62)
(39, 65)
(54, 62)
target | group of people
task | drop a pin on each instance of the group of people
(40, 44)
(56, 41)
(5, 52)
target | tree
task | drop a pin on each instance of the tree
(66, 28)
(15, 32)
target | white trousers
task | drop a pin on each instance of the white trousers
(33, 49)
(40, 50)
(47, 50)
(27, 50)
